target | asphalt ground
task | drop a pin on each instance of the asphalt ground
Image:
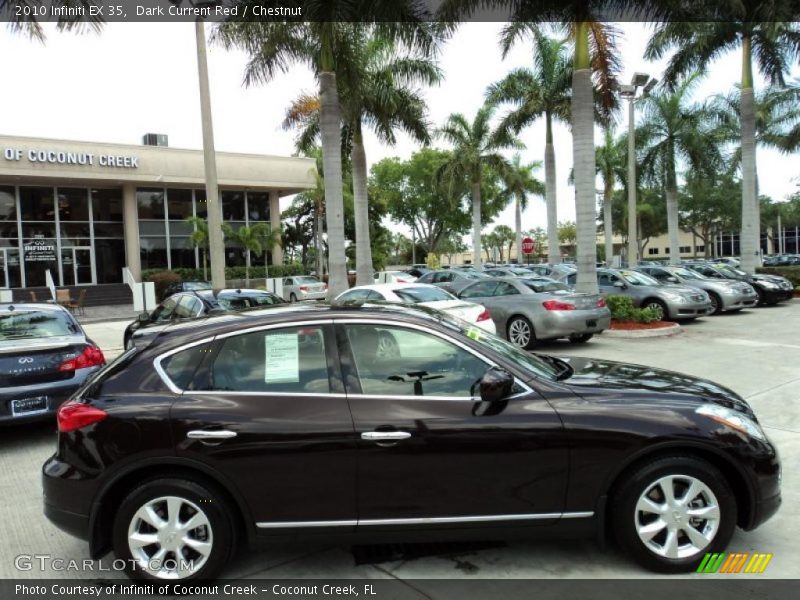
(754, 352)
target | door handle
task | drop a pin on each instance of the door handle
(207, 434)
(381, 436)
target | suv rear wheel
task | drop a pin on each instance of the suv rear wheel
(173, 529)
(669, 513)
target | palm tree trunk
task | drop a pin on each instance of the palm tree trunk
(551, 198)
(330, 131)
(608, 230)
(365, 274)
(518, 226)
(747, 239)
(583, 159)
(672, 217)
(476, 224)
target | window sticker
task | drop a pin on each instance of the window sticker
(282, 358)
(474, 333)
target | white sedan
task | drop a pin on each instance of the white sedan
(424, 295)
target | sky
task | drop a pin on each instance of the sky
(137, 78)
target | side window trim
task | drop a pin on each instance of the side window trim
(350, 376)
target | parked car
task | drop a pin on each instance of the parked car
(268, 425)
(525, 312)
(558, 271)
(304, 287)
(185, 286)
(728, 260)
(509, 272)
(451, 280)
(418, 271)
(394, 277)
(192, 305)
(725, 295)
(670, 301)
(770, 289)
(423, 295)
(44, 357)
(782, 260)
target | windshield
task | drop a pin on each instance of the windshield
(240, 302)
(729, 271)
(413, 295)
(19, 325)
(530, 363)
(687, 274)
(191, 286)
(635, 278)
(545, 286)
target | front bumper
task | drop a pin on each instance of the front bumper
(564, 323)
(688, 310)
(738, 300)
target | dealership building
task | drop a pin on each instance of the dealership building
(85, 210)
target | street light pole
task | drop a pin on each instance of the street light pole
(216, 243)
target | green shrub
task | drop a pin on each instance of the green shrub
(791, 273)
(622, 309)
(162, 280)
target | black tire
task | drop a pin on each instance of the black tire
(761, 299)
(657, 304)
(514, 332)
(220, 528)
(625, 516)
(580, 338)
(716, 303)
(292, 297)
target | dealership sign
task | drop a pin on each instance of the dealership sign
(71, 158)
(39, 251)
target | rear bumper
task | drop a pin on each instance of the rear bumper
(72, 523)
(557, 324)
(57, 392)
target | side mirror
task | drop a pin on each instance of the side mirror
(619, 284)
(496, 384)
(143, 318)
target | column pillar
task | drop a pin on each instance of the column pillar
(275, 224)
(130, 217)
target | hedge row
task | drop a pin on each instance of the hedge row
(622, 309)
(256, 271)
(791, 273)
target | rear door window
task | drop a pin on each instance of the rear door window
(286, 360)
(479, 290)
(505, 289)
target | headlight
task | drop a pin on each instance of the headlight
(733, 419)
(674, 297)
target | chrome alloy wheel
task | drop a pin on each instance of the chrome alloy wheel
(658, 309)
(170, 538)
(677, 516)
(519, 333)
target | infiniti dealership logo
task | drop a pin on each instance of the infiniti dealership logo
(25, 360)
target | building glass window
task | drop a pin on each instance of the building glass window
(75, 234)
(36, 203)
(179, 208)
(200, 203)
(151, 203)
(73, 204)
(181, 251)
(685, 249)
(153, 252)
(8, 206)
(109, 259)
(107, 205)
(652, 251)
(233, 206)
(258, 206)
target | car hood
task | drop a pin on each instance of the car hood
(611, 375)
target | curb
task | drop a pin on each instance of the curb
(673, 329)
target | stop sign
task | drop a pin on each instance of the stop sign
(528, 245)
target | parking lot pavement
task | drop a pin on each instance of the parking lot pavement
(754, 353)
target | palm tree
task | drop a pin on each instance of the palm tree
(476, 147)
(674, 130)
(199, 239)
(323, 40)
(611, 160)
(255, 239)
(30, 25)
(375, 91)
(767, 36)
(543, 91)
(519, 183)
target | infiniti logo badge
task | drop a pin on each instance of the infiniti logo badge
(25, 360)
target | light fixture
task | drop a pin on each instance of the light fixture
(650, 85)
(639, 79)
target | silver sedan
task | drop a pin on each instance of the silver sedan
(725, 295)
(526, 311)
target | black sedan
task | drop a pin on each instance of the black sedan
(771, 289)
(191, 305)
(394, 423)
(44, 357)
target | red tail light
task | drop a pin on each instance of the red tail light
(402, 281)
(74, 415)
(557, 305)
(303, 288)
(91, 356)
(601, 303)
(484, 316)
